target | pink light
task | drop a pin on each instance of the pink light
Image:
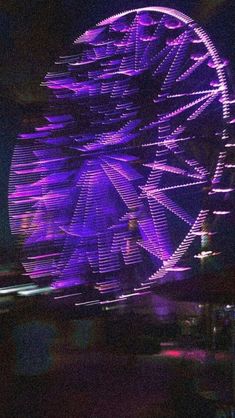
(204, 233)
(223, 64)
(215, 83)
(172, 353)
(198, 56)
(173, 24)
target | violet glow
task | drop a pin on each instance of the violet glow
(110, 192)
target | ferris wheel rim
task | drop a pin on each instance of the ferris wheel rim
(202, 34)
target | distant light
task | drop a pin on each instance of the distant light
(204, 233)
(221, 212)
(222, 190)
(205, 254)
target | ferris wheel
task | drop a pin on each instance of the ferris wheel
(117, 188)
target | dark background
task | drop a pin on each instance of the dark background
(33, 33)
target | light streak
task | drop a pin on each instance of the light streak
(14, 289)
(37, 291)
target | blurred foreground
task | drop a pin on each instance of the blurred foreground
(108, 367)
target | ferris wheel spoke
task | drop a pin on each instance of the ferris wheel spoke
(175, 170)
(169, 204)
(124, 169)
(161, 228)
(203, 107)
(187, 106)
(163, 60)
(190, 70)
(183, 247)
(123, 187)
(150, 53)
(175, 68)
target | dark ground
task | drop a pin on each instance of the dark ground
(106, 385)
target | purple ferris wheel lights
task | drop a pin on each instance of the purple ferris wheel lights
(111, 191)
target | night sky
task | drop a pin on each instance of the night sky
(32, 36)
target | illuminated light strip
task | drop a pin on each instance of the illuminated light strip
(130, 295)
(176, 64)
(170, 52)
(222, 190)
(67, 296)
(185, 107)
(152, 192)
(205, 254)
(221, 212)
(161, 250)
(128, 172)
(220, 71)
(192, 68)
(161, 228)
(219, 167)
(144, 287)
(202, 108)
(201, 170)
(107, 287)
(149, 241)
(108, 261)
(180, 251)
(174, 208)
(230, 165)
(151, 248)
(204, 233)
(126, 191)
(89, 303)
(171, 169)
(195, 93)
(38, 257)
